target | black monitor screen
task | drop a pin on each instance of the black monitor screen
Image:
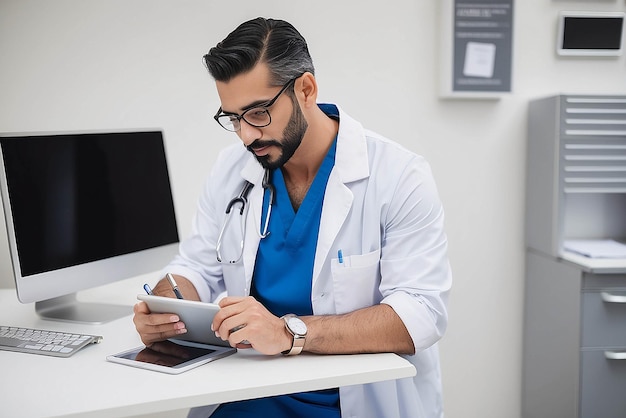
(592, 33)
(77, 198)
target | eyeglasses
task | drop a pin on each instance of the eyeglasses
(258, 116)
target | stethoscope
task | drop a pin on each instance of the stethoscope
(242, 200)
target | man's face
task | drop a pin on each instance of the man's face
(273, 145)
(292, 137)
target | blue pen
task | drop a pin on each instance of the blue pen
(340, 256)
(170, 279)
(147, 289)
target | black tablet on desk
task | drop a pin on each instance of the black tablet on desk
(172, 357)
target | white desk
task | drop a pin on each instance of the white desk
(87, 385)
(596, 265)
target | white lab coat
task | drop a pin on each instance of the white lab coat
(382, 210)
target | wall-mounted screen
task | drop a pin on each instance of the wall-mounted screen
(590, 33)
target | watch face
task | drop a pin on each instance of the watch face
(297, 326)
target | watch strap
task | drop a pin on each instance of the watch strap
(298, 340)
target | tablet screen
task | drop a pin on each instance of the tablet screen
(166, 353)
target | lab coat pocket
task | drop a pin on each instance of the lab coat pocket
(356, 281)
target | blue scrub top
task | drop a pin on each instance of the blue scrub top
(284, 262)
(282, 282)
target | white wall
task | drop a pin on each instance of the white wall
(77, 64)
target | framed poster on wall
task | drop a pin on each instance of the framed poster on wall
(477, 48)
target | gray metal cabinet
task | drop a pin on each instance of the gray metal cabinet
(574, 354)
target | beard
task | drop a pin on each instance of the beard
(292, 138)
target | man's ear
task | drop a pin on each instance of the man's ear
(306, 90)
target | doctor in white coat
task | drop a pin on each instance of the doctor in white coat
(379, 276)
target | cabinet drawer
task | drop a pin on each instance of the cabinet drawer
(603, 385)
(604, 319)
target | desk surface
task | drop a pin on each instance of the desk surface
(596, 265)
(87, 385)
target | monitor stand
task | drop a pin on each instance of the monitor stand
(68, 309)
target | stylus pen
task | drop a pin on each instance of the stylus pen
(147, 289)
(170, 279)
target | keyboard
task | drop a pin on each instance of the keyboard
(41, 341)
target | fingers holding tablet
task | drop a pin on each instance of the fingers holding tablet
(195, 319)
(153, 327)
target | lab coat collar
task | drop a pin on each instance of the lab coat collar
(253, 171)
(351, 159)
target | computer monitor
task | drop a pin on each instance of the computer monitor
(84, 209)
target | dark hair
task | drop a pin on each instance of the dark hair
(274, 42)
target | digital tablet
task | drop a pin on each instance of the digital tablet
(171, 357)
(197, 317)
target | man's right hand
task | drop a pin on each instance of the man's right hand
(153, 327)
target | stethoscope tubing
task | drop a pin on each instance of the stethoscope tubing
(242, 199)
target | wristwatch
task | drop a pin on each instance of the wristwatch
(296, 327)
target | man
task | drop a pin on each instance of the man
(339, 247)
